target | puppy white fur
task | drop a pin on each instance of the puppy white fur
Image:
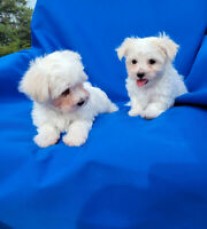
(152, 83)
(63, 100)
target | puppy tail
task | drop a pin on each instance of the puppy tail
(128, 104)
(112, 107)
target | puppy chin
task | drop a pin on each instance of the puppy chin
(67, 109)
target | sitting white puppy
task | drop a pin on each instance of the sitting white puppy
(152, 82)
(63, 100)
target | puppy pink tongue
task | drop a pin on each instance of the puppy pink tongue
(141, 82)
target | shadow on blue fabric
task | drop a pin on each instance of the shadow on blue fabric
(4, 226)
(117, 209)
(131, 173)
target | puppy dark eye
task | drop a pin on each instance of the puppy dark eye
(134, 61)
(152, 61)
(66, 92)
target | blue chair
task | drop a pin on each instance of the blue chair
(132, 173)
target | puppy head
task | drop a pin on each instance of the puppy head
(56, 79)
(71, 98)
(147, 58)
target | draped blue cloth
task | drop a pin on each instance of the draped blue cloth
(132, 173)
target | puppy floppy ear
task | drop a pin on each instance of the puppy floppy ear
(123, 49)
(34, 84)
(168, 46)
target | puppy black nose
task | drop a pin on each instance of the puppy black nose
(81, 102)
(140, 75)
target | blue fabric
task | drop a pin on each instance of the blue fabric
(131, 173)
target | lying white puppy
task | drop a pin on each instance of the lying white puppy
(152, 82)
(63, 100)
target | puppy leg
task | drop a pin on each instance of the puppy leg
(136, 108)
(77, 133)
(47, 135)
(153, 110)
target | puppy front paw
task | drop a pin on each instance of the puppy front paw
(74, 140)
(152, 112)
(43, 140)
(134, 112)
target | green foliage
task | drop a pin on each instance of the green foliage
(15, 18)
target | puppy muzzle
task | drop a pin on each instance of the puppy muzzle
(82, 101)
(140, 75)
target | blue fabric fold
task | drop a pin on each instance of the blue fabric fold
(196, 80)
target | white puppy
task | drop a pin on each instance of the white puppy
(63, 100)
(152, 82)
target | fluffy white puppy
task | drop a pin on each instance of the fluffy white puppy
(152, 83)
(63, 100)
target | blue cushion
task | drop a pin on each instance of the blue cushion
(131, 173)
